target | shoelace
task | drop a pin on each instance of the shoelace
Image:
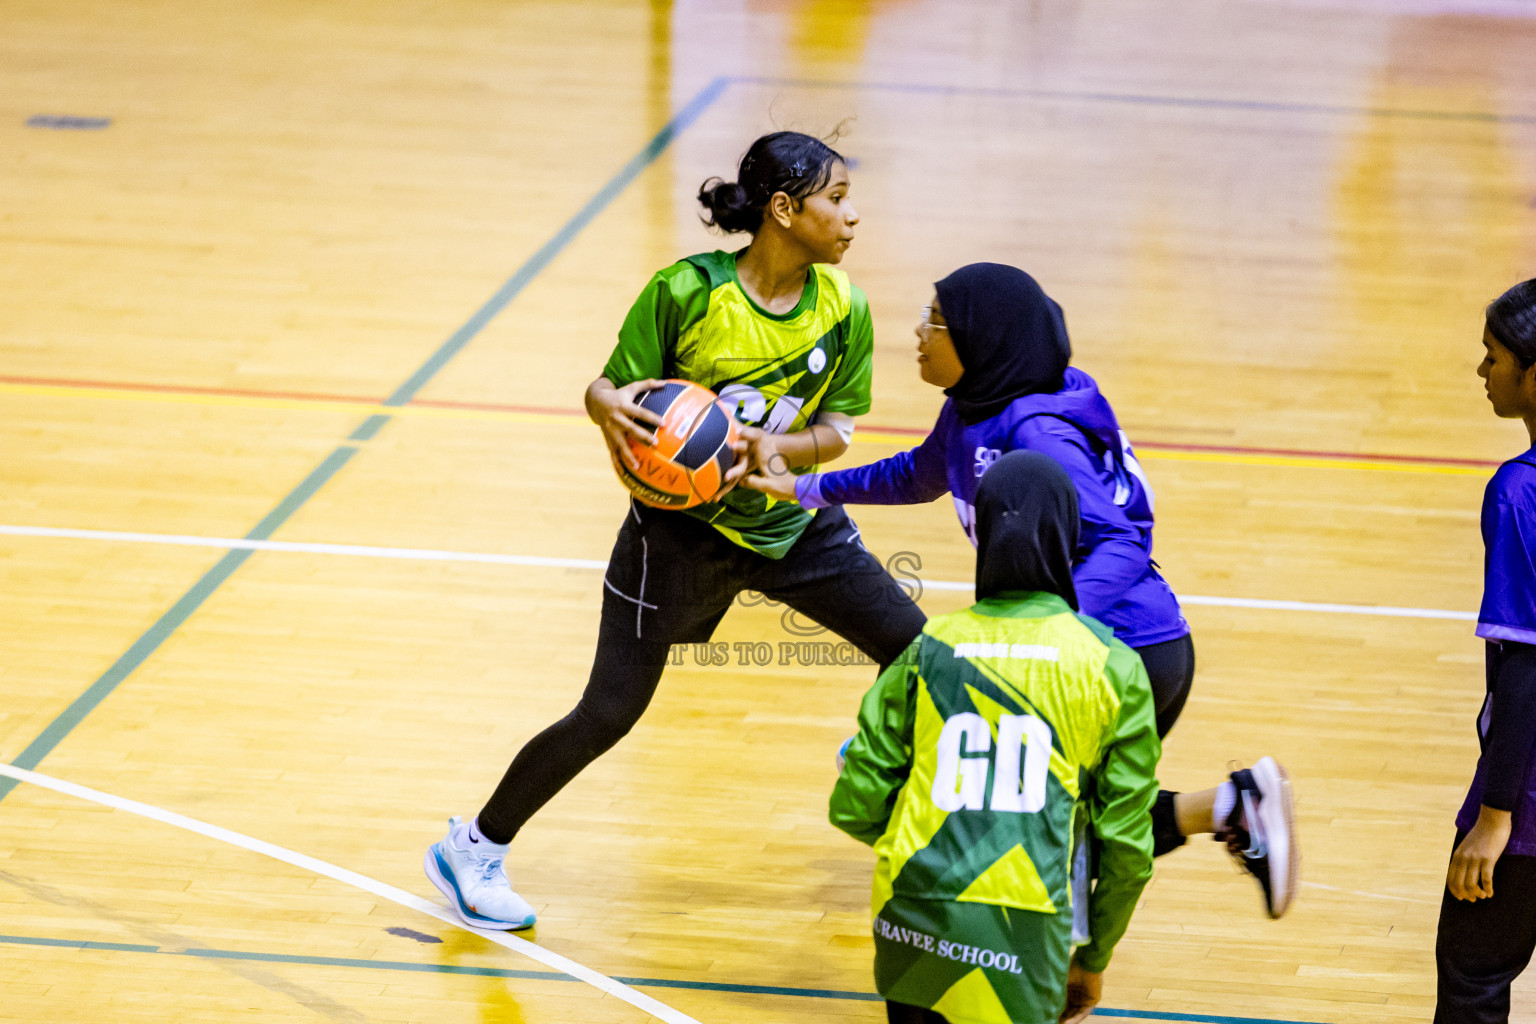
(488, 864)
(489, 868)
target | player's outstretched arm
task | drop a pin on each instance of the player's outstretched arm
(878, 760)
(760, 453)
(908, 478)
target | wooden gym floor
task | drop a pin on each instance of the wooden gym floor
(301, 527)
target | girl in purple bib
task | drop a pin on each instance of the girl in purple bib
(1488, 912)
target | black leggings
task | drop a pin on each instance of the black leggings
(1482, 946)
(670, 580)
(1171, 668)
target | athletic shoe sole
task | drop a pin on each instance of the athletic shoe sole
(1277, 809)
(434, 868)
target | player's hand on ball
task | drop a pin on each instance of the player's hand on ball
(1470, 876)
(617, 414)
(1083, 991)
(749, 445)
(773, 478)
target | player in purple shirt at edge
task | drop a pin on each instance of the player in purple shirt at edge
(1488, 911)
(998, 346)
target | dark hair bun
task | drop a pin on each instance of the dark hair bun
(790, 162)
(728, 207)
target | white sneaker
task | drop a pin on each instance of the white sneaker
(471, 874)
(1261, 832)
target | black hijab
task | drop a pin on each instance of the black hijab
(1011, 338)
(1026, 527)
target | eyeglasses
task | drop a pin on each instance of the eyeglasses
(927, 314)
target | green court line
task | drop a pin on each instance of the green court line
(116, 947)
(179, 612)
(193, 599)
(502, 972)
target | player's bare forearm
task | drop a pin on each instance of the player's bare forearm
(772, 456)
(593, 400)
(815, 444)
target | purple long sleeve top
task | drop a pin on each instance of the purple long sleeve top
(1113, 571)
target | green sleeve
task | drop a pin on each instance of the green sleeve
(876, 763)
(849, 391)
(674, 300)
(1125, 787)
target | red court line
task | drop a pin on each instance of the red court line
(914, 432)
(300, 396)
(542, 410)
(184, 389)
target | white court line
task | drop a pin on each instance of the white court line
(1341, 609)
(355, 550)
(1276, 606)
(606, 984)
(487, 558)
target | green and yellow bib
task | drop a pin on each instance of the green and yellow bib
(695, 322)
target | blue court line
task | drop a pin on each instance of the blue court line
(65, 122)
(541, 259)
(502, 972)
(1143, 100)
(193, 599)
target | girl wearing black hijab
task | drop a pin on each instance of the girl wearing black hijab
(999, 729)
(998, 346)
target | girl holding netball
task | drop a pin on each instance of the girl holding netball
(1488, 912)
(998, 346)
(781, 333)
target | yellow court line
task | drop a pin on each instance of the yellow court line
(1311, 462)
(1146, 451)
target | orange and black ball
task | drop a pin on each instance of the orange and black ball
(686, 463)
